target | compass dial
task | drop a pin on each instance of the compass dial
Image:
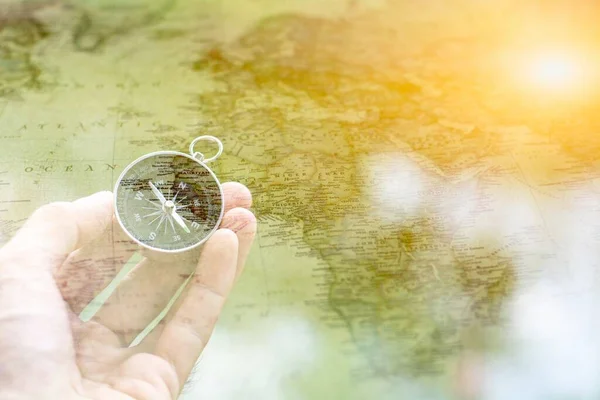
(168, 201)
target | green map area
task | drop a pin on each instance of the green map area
(409, 197)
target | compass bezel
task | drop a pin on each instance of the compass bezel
(175, 153)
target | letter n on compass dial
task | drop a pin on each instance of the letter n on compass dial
(168, 201)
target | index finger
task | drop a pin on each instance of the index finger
(186, 335)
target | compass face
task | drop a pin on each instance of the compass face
(168, 201)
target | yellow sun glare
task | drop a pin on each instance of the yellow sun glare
(556, 71)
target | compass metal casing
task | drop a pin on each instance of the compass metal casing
(133, 222)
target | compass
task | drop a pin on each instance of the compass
(170, 201)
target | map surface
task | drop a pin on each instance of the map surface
(420, 213)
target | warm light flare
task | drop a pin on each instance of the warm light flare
(556, 71)
(564, 76)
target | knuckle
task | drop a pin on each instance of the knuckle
(239, 219)
(243, 213)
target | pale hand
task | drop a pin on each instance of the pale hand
(55, 264)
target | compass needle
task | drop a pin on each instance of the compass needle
(157, 192)
(153, 203)
(180, 221)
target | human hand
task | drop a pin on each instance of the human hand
(59, 261)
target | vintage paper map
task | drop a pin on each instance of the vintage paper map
(411, 192)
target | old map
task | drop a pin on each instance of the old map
(420, 205)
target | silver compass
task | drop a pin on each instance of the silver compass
(169, 201)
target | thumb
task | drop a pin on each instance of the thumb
(57, 229)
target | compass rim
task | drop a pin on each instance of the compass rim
(154, 154)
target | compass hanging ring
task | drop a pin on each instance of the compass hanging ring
(170, 201)
(200, 156)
